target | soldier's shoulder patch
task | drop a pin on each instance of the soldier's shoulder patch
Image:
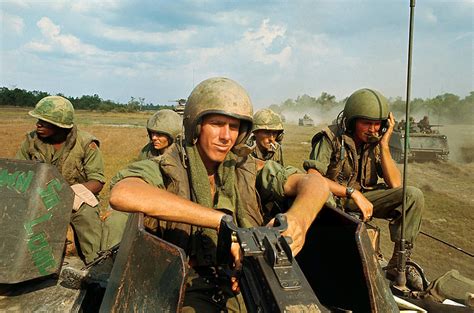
(93, 145)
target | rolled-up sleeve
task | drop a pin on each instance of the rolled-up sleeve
(147, 170)
(271, 180)
(94, 163)
(320, 156)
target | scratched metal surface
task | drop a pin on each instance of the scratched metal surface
(35, 208)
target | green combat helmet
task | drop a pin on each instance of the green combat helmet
(222, 96)
(55, 110)
(367, 104)
(268, 120)
(166, 122)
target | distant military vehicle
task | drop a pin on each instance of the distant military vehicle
(422, 145)
(181, 103)
(306, 121)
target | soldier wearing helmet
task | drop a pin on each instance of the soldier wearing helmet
(268, 133)
(77, 156)
(163, 128)
(353, 155)
(195, 184)
(424, 125)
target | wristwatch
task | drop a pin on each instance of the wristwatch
(349, 192)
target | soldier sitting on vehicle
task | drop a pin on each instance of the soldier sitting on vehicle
(424, 125)
(76, 155)
(401, 125)
(353, 155)
(413, 125)
(196, 184)
(163, 128)
(268, 133)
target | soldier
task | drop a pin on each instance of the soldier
(268, 131)
(353, 155)
(76, 155)
(197, 183)
(424, 125)
(163, 128)
(413, 125)
(401, 125)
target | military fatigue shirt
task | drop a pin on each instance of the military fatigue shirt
(78, 161)
(276, 156)
(270, 179)
(358, 167)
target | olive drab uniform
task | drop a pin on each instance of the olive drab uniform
(149, 152)
(266, 119)
(78, 160)
(240, 188)
(165, 122)
(361, 169)
(276, 155)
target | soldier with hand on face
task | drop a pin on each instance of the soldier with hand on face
(268, 133)
(76, 154)
(353, 155)
(196, 184)
(163, 129)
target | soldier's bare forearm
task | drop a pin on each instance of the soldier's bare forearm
(135, 195)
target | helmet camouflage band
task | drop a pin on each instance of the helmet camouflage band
(221, 96)
(367, 104)
(166, 122)
(267, 119)
(55, 110)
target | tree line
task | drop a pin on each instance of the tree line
(446, 107)
(25, 98)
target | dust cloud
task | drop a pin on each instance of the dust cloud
(318, 116)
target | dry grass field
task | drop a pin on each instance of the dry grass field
(449, 212)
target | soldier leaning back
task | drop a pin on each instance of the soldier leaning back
(217, 118)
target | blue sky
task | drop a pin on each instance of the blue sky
(277, 50)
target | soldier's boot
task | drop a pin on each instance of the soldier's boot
(413, 276)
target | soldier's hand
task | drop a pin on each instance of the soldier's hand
(390, 126)
(236, 253)
(295, 230)
(364, 205)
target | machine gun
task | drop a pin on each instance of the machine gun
(271, 280)
(103, 255)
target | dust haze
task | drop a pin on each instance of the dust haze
(460, 137)
(318, 116)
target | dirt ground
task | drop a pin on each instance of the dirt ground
(449, 206)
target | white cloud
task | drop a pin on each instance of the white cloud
(85, 6)
(38, 46)
(20, 3)
(260, 41)
(230, 18)
(429, 16)
(12, 23)
(152, 38)
(56, 40)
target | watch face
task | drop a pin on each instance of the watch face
(349, 191)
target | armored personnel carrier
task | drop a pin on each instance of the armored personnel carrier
(306, 121)
(422, 146)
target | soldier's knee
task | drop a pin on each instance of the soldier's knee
(416, 196)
